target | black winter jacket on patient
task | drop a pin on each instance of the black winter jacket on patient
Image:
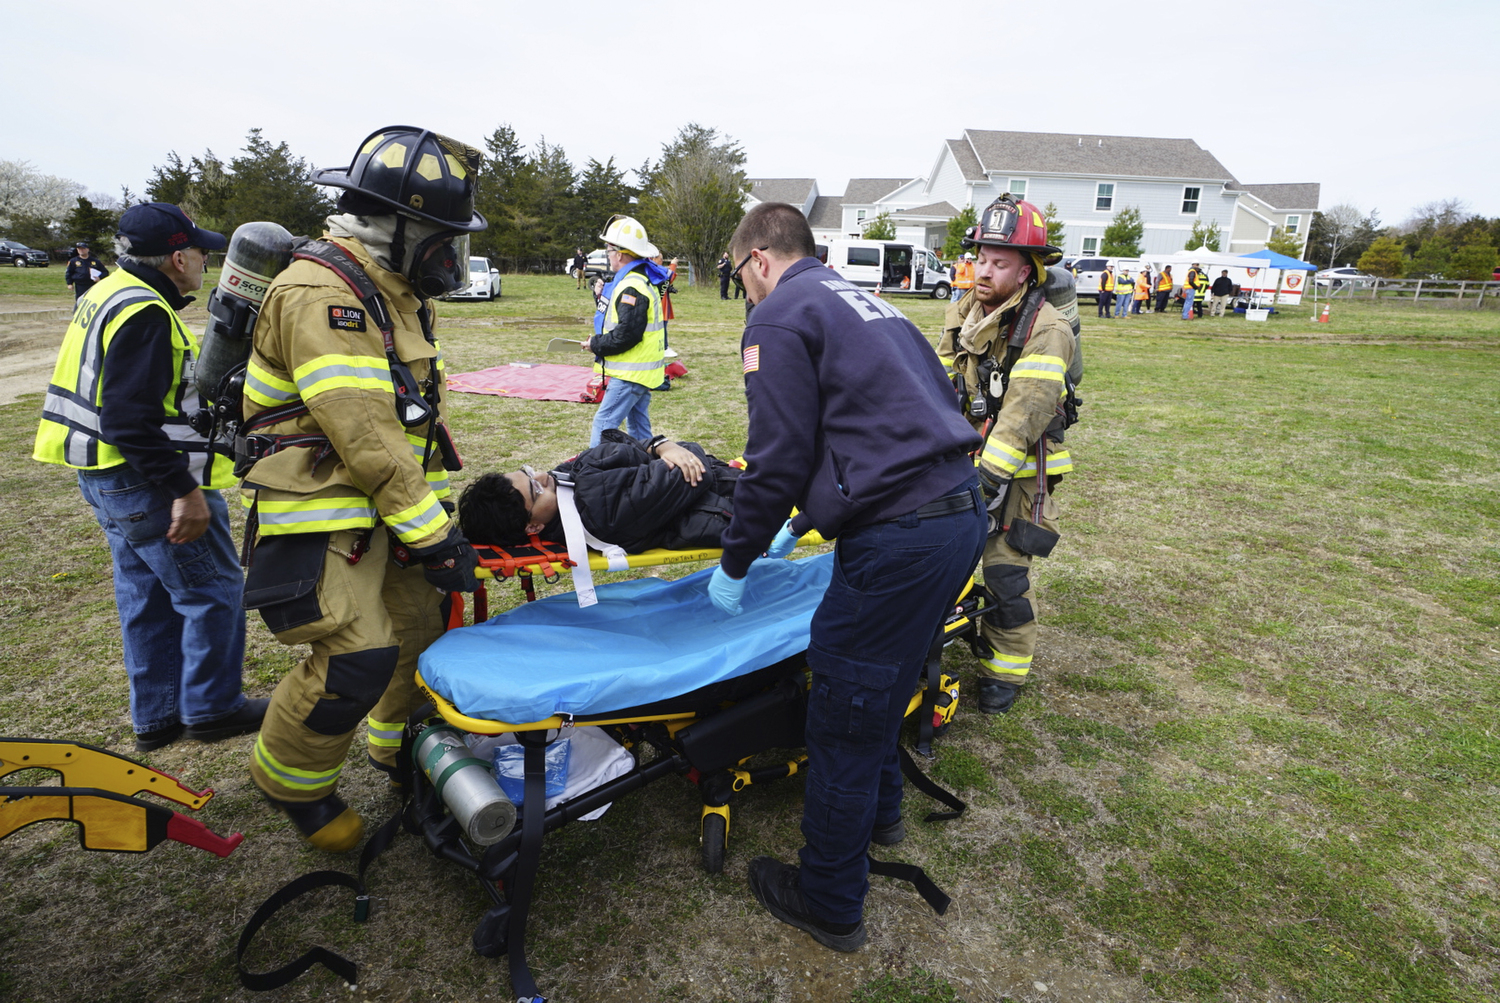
(628, 498)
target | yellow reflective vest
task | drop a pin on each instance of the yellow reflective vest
(645, 362)
(1107, 281)
(70, 427)
(315, 342)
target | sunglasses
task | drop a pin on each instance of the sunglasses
(536, 485)
(737, 268)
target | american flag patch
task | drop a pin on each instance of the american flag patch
(752, 358)
(628, 299)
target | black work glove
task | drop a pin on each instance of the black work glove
(450, 565)
(993, 487)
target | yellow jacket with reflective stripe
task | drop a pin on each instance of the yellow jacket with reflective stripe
(69, 432)
(1035, 388)
(306, 347)
(645, 362)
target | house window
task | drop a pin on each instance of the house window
(1018, 188)
(859, 216)
(1190, 200)
(1091, 245)
(1104, 198)
(1292, 223)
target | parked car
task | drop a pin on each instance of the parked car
(484, 282)
(16, 253)
(596, 266)
(1088, 270)
(1337, 278)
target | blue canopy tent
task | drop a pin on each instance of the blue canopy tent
(1267, 258)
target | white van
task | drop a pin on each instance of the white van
(1088, 270)
(887, 266)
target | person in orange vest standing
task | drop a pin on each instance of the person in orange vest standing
(1163, 288)
(963, 276)
(1142, 290)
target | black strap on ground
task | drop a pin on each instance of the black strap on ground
(533, 817)
(931, 788)
(935, 896)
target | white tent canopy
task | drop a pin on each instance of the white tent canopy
(1182, 260)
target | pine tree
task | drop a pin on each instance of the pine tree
(94, 226)
(957, 227)
(1473, 262)
(1383, 259)
(1054, 225)
(170, 181)
(1284, 243)
(1122, 238)
(880, 228)
(1206, 237)
(271, 184)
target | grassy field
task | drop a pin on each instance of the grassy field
(1258, 759)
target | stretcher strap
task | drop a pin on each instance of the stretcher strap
(935, 896)
(533, 819)
(933, 672)
(928, 786)
(578, 553)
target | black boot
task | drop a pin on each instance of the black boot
(996, 697)
(241, 722)
(777, 886)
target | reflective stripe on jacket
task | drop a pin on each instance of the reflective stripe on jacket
(70, 427)
(645, 362)
(315, 342)
(963, 275)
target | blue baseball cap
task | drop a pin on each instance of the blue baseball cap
(156, 228)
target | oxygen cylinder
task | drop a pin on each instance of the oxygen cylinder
(1062, 292)
(466, 785)
(257, 253)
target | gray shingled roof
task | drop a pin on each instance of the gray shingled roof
(963, 155)
(827, 213)
(935, 209)
(1094, 155)
(1303, 196)
(866, 191)
(793, 190)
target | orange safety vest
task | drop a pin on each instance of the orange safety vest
(1143, 287)
(963, 275)
(1164, 283)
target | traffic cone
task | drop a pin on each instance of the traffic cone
(877, 290)
(1324, 318)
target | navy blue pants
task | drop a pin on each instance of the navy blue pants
(892, 585)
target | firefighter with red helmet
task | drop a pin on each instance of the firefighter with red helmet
(345, 454)
(1011, 352)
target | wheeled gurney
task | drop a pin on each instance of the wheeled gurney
(683, 687)
(663, 671)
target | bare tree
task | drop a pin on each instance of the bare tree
(1336, 228)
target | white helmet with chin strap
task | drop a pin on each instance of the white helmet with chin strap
(627, 232)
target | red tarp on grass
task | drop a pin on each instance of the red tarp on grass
(543, 381)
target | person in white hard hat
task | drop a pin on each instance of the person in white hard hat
(629, 339)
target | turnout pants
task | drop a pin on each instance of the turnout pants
(892, 583)
(376, 619)
(1010, 631)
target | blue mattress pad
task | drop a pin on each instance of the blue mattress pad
(645, 641)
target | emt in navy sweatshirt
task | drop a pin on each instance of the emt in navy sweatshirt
(853, 421)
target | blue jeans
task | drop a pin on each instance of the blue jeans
(622, 400)
(180, 613)
(892, 583)
(1122, 304)
(1187, 303)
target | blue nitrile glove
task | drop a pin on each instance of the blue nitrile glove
(724, 592)
(784, 543)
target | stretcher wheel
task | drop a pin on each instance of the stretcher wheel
(490, 936)
(715, 842)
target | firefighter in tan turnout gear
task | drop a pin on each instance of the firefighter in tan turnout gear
(347, 454)
(1011, 351)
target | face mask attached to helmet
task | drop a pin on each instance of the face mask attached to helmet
(440, 265)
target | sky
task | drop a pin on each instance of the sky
(1388, 106)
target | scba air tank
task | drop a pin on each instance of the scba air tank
(466, 785)
(1061, 291)
(257, 254)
